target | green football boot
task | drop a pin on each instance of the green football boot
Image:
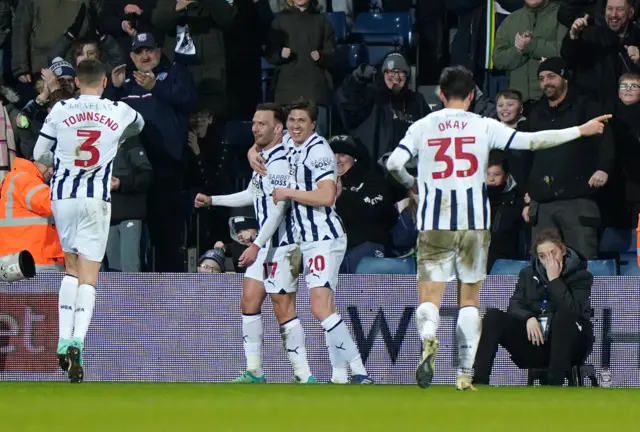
(248, 378)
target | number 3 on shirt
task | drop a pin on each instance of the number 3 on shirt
(459, 154)
(88, 138)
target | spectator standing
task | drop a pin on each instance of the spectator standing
(363, 203)
(523, 39)
(164, 94)
(244, 71)
(564, 181)
(6, 16)
(377, 109)
(506, 210)
(194, 33)
(123, 19)
(600, 54)
(129, 184)
(301, 45)
(30, 48)
(548, 321)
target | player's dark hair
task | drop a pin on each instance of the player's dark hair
(304, 105)
(549, 235)
(59, 95)
(91, 72)
(456, 82)
(510, 93)
(277, 110)
(498, 158)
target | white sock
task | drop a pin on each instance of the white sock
(340, 373)
(468, 333)
(252, 336)
(294, 344)
(85, 302)
(427, 320)
(342, 340)
(67, 306)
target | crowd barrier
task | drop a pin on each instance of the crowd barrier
(187, 328)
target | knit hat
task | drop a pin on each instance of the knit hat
(216, 255)
(344, 144)
(395, 61)
(556, 65)
(62, 67)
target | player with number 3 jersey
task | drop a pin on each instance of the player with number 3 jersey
(452, 147)
(86, 132)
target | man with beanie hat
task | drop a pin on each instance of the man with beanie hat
(363, 203)
(65, 73)
(378, 108)
(564, 181)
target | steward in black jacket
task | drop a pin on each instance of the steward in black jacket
(547, 323)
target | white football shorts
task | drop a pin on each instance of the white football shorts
(322, 261)
(445, 255)
(278, 268)
(83, 226)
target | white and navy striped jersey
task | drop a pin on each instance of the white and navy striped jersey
(452, 147)
(86, 132)
(262, 191)
(309, 164)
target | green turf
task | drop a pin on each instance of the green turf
(327, 408)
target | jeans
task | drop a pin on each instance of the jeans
(123, 247)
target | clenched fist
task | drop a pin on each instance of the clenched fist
(202, 200)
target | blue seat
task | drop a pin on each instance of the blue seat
(618, 240)
(508, 267)
(371, 265)
(339, 22)
(602, 267)
(378, 39)
(399, 23)
(629, 264)
(377, 53)
(349, 57)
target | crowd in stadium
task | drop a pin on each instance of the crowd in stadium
(371, 67)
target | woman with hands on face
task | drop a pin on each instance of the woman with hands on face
(547, 324)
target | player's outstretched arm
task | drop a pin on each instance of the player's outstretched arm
(396, 166)
(552, 138)
(324, 196)
(240, 199)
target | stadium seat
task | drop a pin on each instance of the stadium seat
(371, 265)
(629, 264)
(508, 267)
(349, 57)
(602, 267)
(378, 39)
(618, 240)
(399, 23)
(377, 53)
(339, 22)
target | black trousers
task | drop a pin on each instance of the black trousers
(567, 346)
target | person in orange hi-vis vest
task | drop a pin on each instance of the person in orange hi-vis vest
(26, 219)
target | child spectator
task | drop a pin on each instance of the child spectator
(506, 208)
(510, 107)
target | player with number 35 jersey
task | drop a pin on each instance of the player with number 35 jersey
(85, 132)
(452, 147)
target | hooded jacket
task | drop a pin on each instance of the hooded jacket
(570, 292)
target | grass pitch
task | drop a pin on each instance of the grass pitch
(97, 407)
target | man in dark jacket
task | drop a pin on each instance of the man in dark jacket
(548, 321)
(164, 94)
(599, 54)
(564, 181)
(377, 109)
(123, 19)
(195, 37)
(129, 184)
(363, 203)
